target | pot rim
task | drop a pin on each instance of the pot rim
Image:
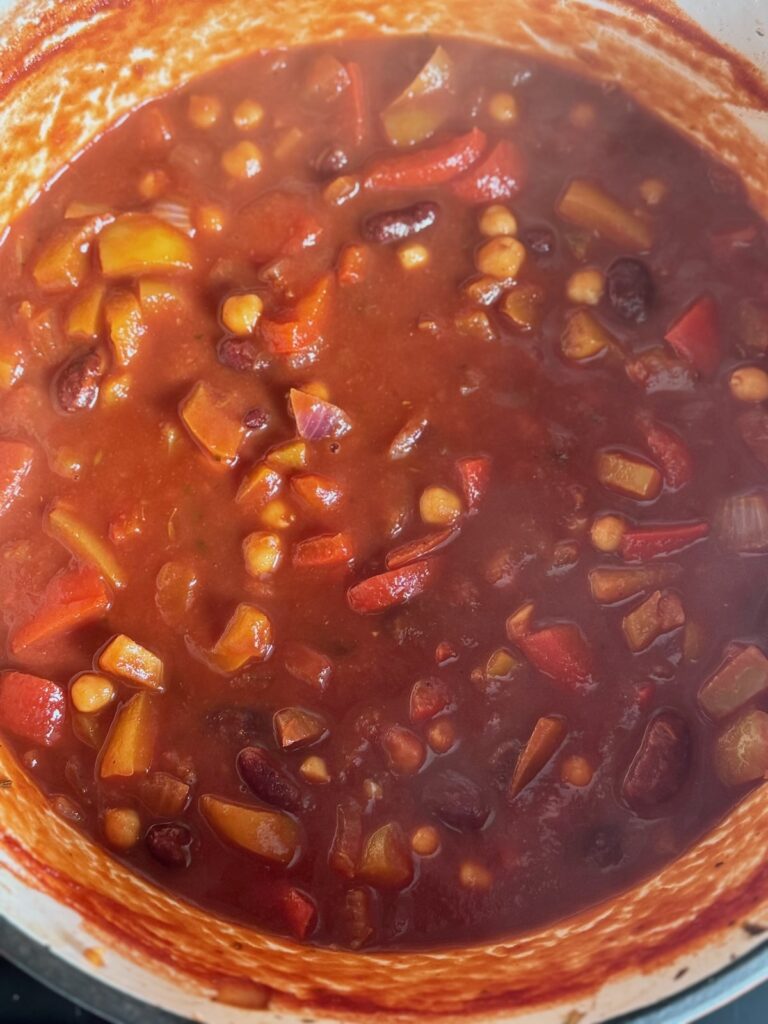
(87, 992)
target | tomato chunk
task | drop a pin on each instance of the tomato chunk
(431, 166)
(305, 326)
(499, 175)
(73, 597)
(398, 586)
(299, 911)
(32, 708)
(324, 551)
(560, 652)
(695, 336)
(15, 462)
(669, 450)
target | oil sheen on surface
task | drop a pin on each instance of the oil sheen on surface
(508, 316)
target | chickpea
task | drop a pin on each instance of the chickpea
(122, 827)
(483, 290)
(475, 876)
(152, 184)
(116, 389)
(425, 841)
(441, 735)
(263, 553)
(653, 191)
(210, 219)
(582, 115)
(241, 313)
(315, 771)
(413, 256)
(500, 257)
(91, 693)
(242, 161)
(247, 115)
(497, 220)
(277, 515)
(372, 790)
(502, 107)
(204, 111)
(607, 533)
(586, 286)
(439, 506)
(749, 384)
(576, 770)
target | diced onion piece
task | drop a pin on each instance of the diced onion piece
(126, 325)
(271, 835)
(629, 475)
(64, 260)
(742, 676)
(659, 613)
(210, 418)
(743, 522)
(317, 419)
(298, 727)
(164, 794)
(423, 105)
(138, 243)
(547, 735)
(83, 542)
(246, 637)
(741, 751)
(83, 319)
(125, 658)
(585, 337)
(586, 204)
(131, 742)
(386, 862)
(175, 213)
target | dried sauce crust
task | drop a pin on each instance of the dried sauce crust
(382, 493)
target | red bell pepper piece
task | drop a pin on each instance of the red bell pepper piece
(307, 324)
(669, 450)
(427, 166)
(299, 911)
(359, 105)
(276, 224)
(475, 474)
(353, 264)
(561, 653)
(499, 175)
(32, 708)
(73, 597)
(323, 551)
(398, 586)
(695, 336)
(416, 549)
(647, 542)
(15, 462)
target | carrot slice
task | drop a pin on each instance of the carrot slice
(73, 597)
(499, 175)
(427, 166)
(306, 325)
(399, 586)
(547, 735)
(32, 708)
(695, 336)
(15, 463)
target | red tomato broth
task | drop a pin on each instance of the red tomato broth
(392, 351)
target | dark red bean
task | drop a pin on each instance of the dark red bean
(331, 161)
(256, 419)
(240, 354)
(539, 241)
(661, 764)
(77, 383)
(170, 844)
(395, 225)
(630, 289)
(267, 780)
(457, 801)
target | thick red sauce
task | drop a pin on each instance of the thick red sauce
(518, 322)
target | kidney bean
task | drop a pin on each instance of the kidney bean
(395, 225)
(170, 844)
(457, 801)
(77, 383)
(239, 354)
(661, 764)
(630, 289)
(256, 419)
(267, 780)
(539, 241)
(331, 161)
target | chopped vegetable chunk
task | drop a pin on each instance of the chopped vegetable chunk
(32, 708)
(210, 419)
(547, 735)
(628, 475)
(742, 676)
(125, 658)
(130, 746)
(585, 204)
(15, 462)
(741, 754)
(83, 542)
(137, 243)
(661, 612)
(695, 336)
(246, 637)
(398, 586)
(73, 597)
(271, 835)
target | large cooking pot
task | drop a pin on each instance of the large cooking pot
(67, 71)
